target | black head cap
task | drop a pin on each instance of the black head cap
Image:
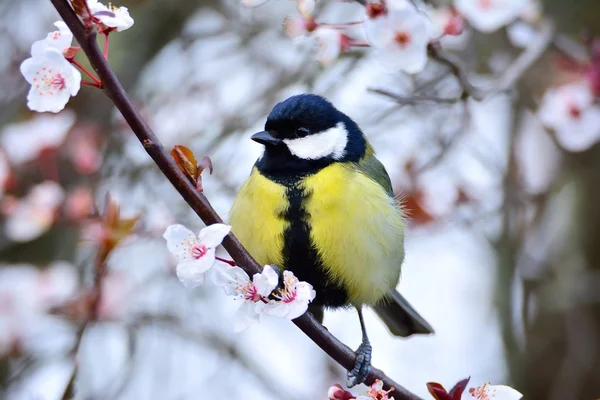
(301, 116)
(308, 111)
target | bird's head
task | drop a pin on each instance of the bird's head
(305, 133)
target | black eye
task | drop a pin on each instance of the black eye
(302, 132)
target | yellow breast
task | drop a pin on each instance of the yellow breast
(358, 231)
(356, 227)
(256, 218)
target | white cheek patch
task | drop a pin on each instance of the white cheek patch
(331, 142)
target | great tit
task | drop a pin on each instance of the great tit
(319, 203)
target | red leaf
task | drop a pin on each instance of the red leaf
(437, 391)
(458, 389)
(205, 163)
(185, 160)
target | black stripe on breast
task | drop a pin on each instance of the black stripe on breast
(301, 257)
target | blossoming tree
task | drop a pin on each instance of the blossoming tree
(415, 55)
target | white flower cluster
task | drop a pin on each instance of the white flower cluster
(52, 76)
(400, 30)
(572, 112)
(26, 295)
(260, 295)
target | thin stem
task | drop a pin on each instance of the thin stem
(415, 99)
(85, 71)
(359, 44)
(93, 84)
(341, 25)
(106, 45)
(341, 353)
(230, 262)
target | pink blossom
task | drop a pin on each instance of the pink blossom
(292, 300)
(236, 282)
(52, 78)
(494, 392)
(35, 213)
(400, 37)
(490, 15)
(195, 255)
(570, 111)
(110, 16)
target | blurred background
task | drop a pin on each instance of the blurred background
(503, 247)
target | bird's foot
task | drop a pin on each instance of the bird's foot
(362, 365)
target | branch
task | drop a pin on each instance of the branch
(196, 200)
(416, 99)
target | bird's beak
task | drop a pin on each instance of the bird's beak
(265, 138)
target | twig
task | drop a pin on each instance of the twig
(416, 99)
(457, 69)
(68, 392)
(525, 60)
(196, 200)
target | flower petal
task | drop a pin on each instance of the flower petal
(189, 274)
(179, 241)
(275, 308)
(245, 316)
(266, 281)
(503, 392)
(229, 278)
(213, 235)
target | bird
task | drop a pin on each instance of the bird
(320, 204)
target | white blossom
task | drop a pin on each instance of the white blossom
(400, 37)
(306, 7)
(521, 34)
(494, 392)
(57, 283)
(52, 78)
(490, 15)
(291, 301)
(34, 214)
(111, 16)
(236, 282)
(23, 141)
(444, 21)
(296, 27)
(330, 44)
(195, 255)
(570, 111)
(376, 392)
(59, 40)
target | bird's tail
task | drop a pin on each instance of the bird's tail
(399, 316)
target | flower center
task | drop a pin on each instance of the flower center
(375, 10)
(249, 292)
(574, 111)
(485, 4)
(403, 39)
(48, 82)
(480, 392)
(378, 393)
(198, 251)
(288, 295)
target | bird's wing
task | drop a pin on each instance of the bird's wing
(370, 166)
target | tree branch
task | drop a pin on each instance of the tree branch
(415, 99)
(196, 200)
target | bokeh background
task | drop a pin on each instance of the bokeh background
(503, 247)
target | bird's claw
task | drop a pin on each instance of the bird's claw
(362, 365)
